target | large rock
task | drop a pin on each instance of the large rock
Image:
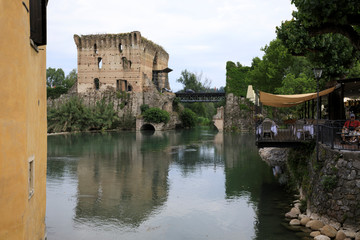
(357, 236)
(328, 231)
(314, 225)
(274, 156)
(294, 212)
(304, 220)
(340, 235)
(315, 233)
(322, 237)
(295, 222)
(349, 234)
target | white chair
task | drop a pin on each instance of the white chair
(267, 133)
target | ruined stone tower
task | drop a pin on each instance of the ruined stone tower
(124, 62)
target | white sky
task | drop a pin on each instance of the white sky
(199, 35)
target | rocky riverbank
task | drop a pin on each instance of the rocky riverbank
(329, 190)
(315, 227)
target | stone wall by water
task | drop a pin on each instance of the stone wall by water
(124, 103)
(332, 189)
(238, 114)
(335, 187)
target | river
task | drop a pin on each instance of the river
(189, 184)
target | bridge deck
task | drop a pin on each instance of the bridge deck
(200, 97)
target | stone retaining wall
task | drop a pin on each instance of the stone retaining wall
(238, 114)
(335, 186)
(124, 103)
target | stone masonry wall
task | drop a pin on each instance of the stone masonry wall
(238, 114)
(124, 103)
(123, 62)
(335, 187)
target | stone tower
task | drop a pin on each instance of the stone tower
(123, 62)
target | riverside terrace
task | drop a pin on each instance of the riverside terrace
(269, 134)
(290, 134)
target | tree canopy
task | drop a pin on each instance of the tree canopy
(326, 32)
(57, 83)
(54, 77)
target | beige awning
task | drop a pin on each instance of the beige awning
(273, 100)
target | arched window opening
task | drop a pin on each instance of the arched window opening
(130, 88)
(118, 85)
(120, 48)
(97, 84)
(125, 63)
(95, 49)
(99, 63)
(135, 38)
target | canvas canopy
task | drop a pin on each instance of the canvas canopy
(273, 100)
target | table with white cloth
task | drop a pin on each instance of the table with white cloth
(274, 129)
(305, 128)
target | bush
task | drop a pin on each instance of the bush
(56, 92)
(156, 115)
(175, 104)
(75, 116)
(144, 108)
(104, 116)
(204, 121)
(71, 116)
(188, 118)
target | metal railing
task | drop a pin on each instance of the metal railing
(330, 134)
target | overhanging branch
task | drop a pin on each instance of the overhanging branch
(345, 30)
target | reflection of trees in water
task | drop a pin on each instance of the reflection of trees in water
(245, 172)
(123, 177)
(248, 175)
(273, 203)
(117, 182)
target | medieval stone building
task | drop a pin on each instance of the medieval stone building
(123, 62)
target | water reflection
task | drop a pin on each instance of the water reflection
(180, 184)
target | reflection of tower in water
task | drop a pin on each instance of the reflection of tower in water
(121, 184)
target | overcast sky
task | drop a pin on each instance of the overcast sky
(199, 35)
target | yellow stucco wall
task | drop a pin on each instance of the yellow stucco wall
(22, 126)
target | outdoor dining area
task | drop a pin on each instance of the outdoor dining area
(323, 127)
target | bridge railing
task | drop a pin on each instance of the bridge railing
(200, 97)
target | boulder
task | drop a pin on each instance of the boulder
(322, 237)
(290, 215)
(295, 210)
(340, 235)
(304, 220)
(314, 225)
(349, 233)
(295, 222)
(357, 236)
(315, 233)
(328, 231)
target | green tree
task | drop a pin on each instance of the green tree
(70, 79)
(327, 32)
(267, 74)
(104, 115)
(191, 81)
(156, 115)
(54, 77)
(71, 116)
(188, 118)
(297, 85)
(237, 78)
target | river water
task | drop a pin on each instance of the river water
(189, 184)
